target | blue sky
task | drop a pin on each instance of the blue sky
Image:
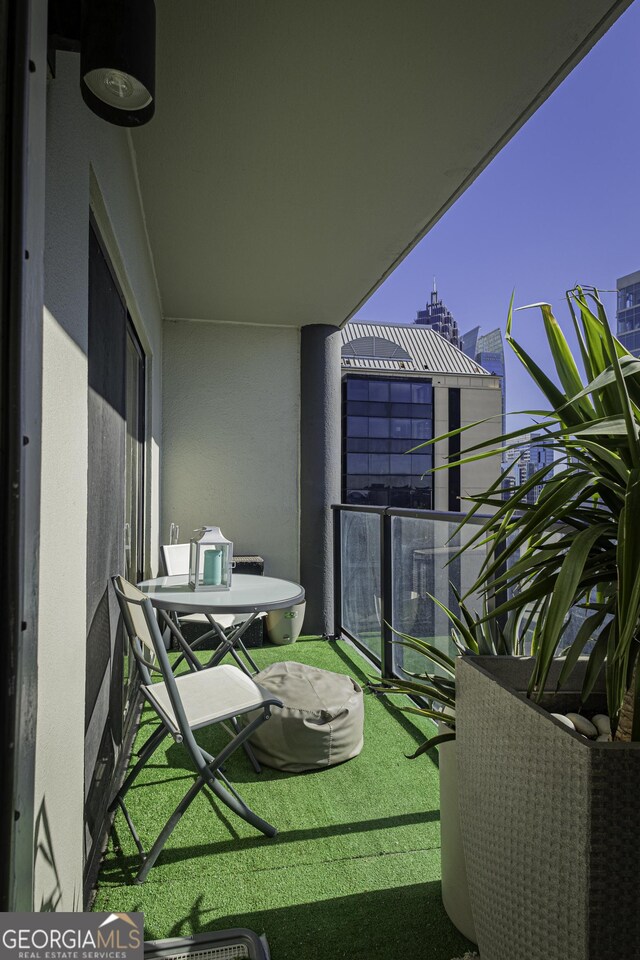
(560, 204)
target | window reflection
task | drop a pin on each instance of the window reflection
(383, 418)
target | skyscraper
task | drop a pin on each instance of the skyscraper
(437, 317)
(488, 350)
(628, 311)
(534, 454)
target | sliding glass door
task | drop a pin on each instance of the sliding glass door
(115, 534)
(134, 458)
(133, 487)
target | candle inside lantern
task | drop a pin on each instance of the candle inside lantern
(212, 574)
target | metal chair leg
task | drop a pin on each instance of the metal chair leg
(230, 642)
(227, 795)
(209, 774)
(240, 808)
(153, 854)
(144, 754)
(187, 653)
(252, 663)
(246, 746)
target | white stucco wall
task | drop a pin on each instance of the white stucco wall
(231, 407)
(480, 403)
(89, 163)
(480, 399)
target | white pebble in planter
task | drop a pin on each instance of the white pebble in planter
(561, 717)
(583, 725)
(602, 722)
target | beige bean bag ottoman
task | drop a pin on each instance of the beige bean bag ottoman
(321, 722)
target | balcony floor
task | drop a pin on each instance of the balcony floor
(353, 872)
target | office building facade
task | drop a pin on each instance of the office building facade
(487, 349)
(628, 312)
(402, 386)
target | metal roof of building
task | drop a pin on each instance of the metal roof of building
(401, 347)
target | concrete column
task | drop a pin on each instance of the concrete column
(320, 415)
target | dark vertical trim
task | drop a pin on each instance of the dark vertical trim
(22, 167)
(343, 439)
(132, 335)
(337, 573)
(12, 40)
(386, 600)
(319, 469)
(453, 473)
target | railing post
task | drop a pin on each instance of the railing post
(319, 468)
(337, 572)
(382, 591)
(386, 589)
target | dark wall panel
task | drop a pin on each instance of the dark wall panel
(453, 473)
(105, 541)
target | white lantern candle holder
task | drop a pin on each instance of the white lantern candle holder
(210, 560)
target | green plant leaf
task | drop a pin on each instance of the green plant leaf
(554, 396)
(430, 714)
(562, 599)
(565, 364)
(430, 744)
(594, 665)
(579, 543)
(628, 560)
(427, 649)
(584, 634)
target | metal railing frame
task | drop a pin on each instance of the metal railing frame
(386, 515)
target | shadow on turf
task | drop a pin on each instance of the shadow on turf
(405, 722)
(350, 658)
(400, 922)
(122, 868)
(213, 738)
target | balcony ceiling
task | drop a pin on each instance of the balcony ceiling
(300, 149)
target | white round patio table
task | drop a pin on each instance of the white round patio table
(248, 594)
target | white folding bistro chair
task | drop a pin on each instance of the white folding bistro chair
(175, 557)
(184, 704)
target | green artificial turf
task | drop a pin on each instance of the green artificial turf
(353, 872)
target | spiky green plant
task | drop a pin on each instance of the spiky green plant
(435, 694)
(579, 543)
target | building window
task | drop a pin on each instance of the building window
(377, 467)
(400, 392)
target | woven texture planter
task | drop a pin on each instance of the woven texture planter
(455, 889)
(550, 821)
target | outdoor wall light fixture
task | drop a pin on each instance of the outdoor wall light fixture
(117, 60)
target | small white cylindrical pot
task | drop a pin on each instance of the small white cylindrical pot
(284, 626)
(455, 890)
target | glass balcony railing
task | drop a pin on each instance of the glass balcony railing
(390, 564)
(359, 546)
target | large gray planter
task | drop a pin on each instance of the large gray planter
(455, 889)
(550, 822)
